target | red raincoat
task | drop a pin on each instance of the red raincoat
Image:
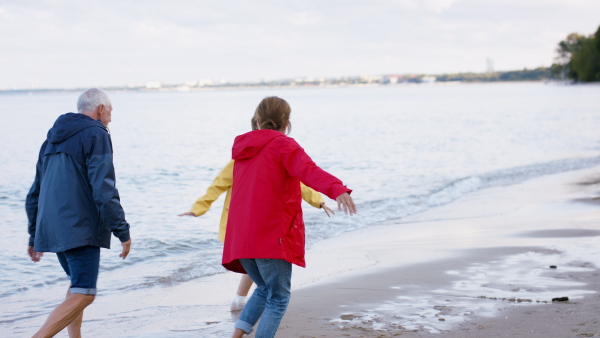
(265, 215)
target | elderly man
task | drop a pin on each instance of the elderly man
(73, 205)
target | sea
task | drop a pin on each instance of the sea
(402, 149)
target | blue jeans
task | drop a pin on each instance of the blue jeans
(82, 265)
(271, 297)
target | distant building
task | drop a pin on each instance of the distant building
(428, 79)
(205, 82)
(393, 79)
(153, 84)
(371, 78)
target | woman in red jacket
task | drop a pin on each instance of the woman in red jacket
(265, 230)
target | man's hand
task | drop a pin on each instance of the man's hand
(344, 200)
(126, 247)
(34, 255)
(188, 214)
(327, 209)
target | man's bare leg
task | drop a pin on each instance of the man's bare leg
(238, 333)
(75, 327)
(64, 314)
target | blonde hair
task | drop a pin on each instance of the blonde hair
(273, 113)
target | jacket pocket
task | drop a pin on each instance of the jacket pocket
(294, 239)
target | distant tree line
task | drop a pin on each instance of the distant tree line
(578, 58)
(538, 74)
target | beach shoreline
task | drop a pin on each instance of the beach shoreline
(357, 307)
(479, 266)
(490, 277)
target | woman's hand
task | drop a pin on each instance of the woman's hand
(344, 200)
(188, 214)
(327, 209)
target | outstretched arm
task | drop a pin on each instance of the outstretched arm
(315, 199)
(301, 166)
(222, 182)
(311, 196)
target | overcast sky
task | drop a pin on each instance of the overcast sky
(72, 43)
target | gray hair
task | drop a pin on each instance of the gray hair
(91, 99)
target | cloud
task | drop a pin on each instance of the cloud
(67, 42)
(438, 6)
(305, 19)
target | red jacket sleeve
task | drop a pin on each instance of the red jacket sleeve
(301, 166)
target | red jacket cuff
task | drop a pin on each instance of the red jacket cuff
(339, 189)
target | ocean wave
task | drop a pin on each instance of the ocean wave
(371, 213)
(178, 260)
(158, 249)
(379, 211)
(168, 272)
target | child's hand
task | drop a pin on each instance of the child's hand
(327, 209)
(346, 201)
(188, 214)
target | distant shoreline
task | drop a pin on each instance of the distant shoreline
(263, 87)
(250, 87)
(541, 74)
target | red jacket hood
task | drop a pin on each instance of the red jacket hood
(249, 144)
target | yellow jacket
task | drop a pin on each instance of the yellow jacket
(223, 183)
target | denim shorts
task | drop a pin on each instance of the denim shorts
(82, 265)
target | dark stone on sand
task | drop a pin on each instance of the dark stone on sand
(560, 233)
(560, 299)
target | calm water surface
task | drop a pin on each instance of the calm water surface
(402, 149)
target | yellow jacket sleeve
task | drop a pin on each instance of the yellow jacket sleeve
(311, 196)
(222, 183)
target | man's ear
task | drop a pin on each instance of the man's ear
(99, 111)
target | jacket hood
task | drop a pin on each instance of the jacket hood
(249, 144)
(70, 124)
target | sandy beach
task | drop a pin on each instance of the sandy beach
(479, 267)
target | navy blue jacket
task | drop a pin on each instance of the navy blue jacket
(73, 201)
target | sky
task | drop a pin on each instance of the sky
(81, 43)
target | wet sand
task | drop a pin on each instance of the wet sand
(350, 308)
(479, 267)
